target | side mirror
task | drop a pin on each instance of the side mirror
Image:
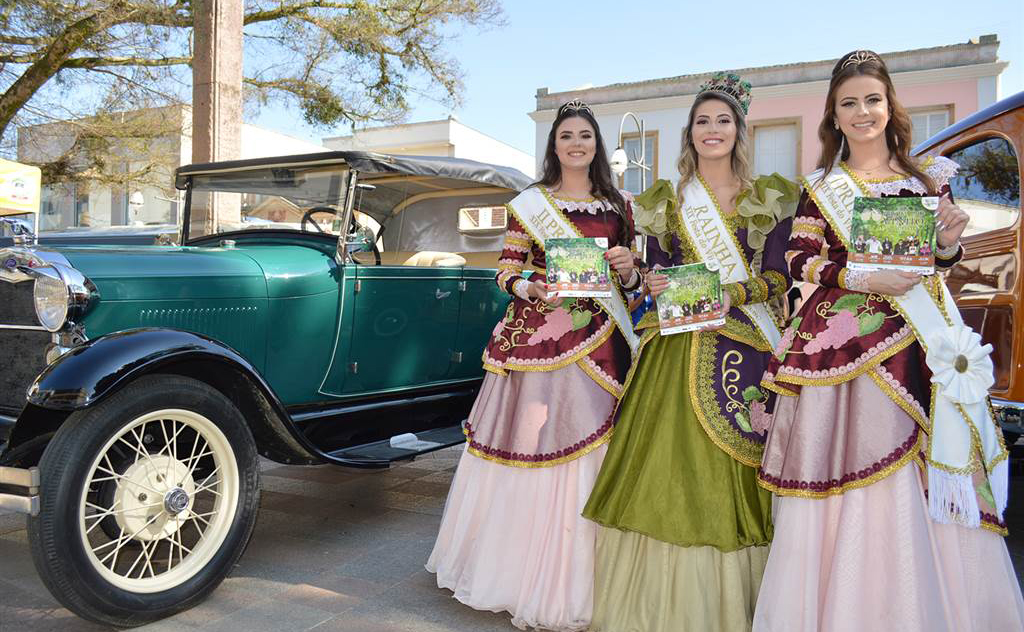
(359, 239)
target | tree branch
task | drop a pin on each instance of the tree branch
(53, 57)
(106, 62)
(290, 10)
(22, 41)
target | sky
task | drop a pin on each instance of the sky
(567, 45)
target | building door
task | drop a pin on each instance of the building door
(775, 150)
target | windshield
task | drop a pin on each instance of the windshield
(308, 199)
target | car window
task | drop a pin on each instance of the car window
(482, 220)
(987, 186)
(271, 198)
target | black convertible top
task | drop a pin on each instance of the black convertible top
(367, 163)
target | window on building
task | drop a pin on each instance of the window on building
(927, 123)
(630, 180)
(482, 219)
(776, 149)
(987, 187)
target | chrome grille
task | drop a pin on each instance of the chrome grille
(22, 351)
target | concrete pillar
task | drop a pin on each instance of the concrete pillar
(216, 103)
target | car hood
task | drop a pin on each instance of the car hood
(173, 272)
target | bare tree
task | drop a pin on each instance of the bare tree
(87, 60)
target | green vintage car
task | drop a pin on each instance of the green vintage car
(323, 308)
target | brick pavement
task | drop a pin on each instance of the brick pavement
(335, 550)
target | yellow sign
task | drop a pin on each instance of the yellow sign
(19, 188)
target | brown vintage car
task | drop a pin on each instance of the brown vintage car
(987, 283)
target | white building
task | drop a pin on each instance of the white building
(937, 85)
(446, 137)
(154, 201)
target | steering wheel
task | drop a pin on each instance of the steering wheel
(308, 217)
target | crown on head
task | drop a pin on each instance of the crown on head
(729, 84)
(576, 106)
(859, 57)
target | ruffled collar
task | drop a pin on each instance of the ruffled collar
(589, 205)
(940, 169)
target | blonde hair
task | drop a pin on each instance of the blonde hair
(740, 152)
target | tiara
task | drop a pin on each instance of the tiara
(576, 106)
(729, 84)
(859, 57)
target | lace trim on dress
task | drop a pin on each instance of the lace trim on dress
(520, 288)
(857, 280)
(593, 206)
(940, 169)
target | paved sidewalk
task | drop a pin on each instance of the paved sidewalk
(335, 550)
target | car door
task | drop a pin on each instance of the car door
(405, 320)
(482, 305)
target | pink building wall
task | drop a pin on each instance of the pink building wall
(961, 95)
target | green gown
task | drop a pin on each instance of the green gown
(661, 457)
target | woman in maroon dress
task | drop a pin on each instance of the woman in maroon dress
(856, 443)
(512, 537)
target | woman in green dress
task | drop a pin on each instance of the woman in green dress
(684, 525)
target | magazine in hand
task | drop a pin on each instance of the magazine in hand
(692, 301)
(576, 266)
(893, 233)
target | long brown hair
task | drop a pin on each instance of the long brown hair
(740, 152)
(898, 131)
(601, 184)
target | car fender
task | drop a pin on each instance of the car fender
(87, 374)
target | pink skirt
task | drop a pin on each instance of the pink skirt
(871, 559)
(512, 537)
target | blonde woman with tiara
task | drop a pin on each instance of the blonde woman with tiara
(684, 526)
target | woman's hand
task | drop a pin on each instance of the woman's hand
(620, 259)
(950, 222)
(539, 290)
(657, 283)
(892, 282)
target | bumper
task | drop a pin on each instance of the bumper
(19, 490)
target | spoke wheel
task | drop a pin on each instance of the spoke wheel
(173, 504)
(148, 499)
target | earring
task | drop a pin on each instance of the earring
(835, 123)
(842, 145)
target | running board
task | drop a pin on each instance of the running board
(401, 447)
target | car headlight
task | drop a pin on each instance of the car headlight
(51, 298)
(61, 294)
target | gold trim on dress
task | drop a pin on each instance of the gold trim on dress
(888, 389)
(868, 365)
(739, 331)
(600, 340)
(597, 377)
(815, 266)
(600, 441)
(495, 369)
(857, 484)
(778, 390)
(709, 414)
